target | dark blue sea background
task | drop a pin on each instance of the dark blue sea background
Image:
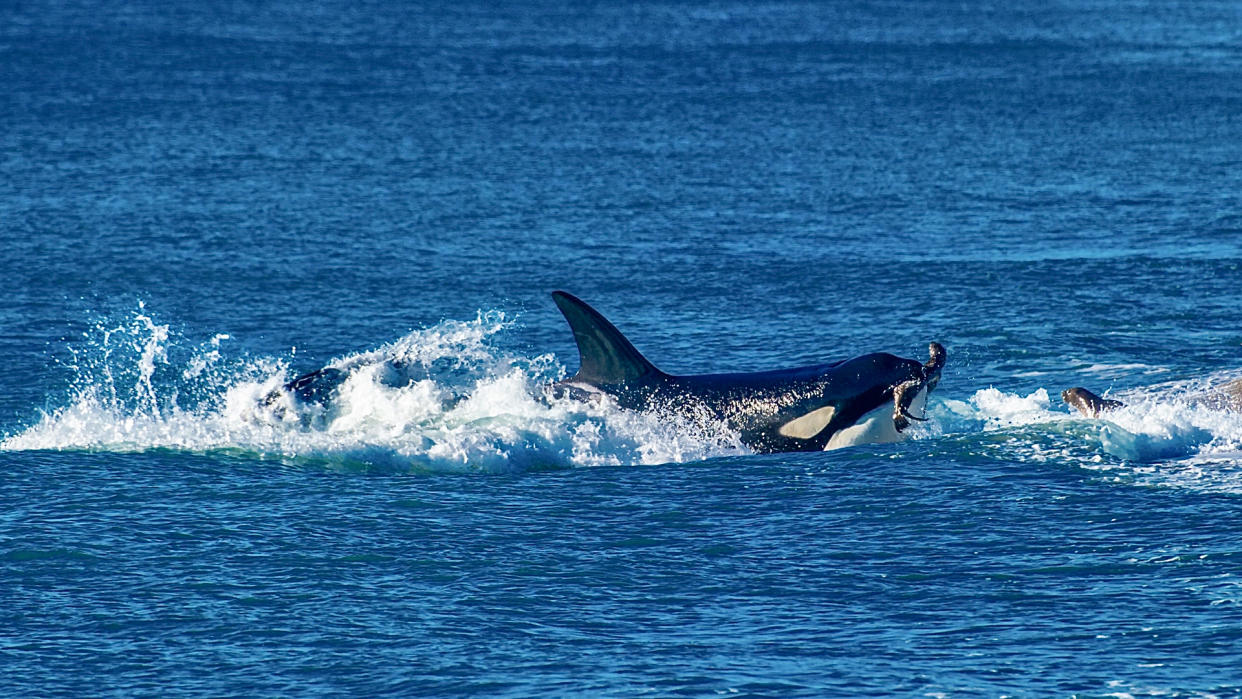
(200, 201)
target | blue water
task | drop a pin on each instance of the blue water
(198, 203)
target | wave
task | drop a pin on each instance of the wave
(443, 398)
(449, 398)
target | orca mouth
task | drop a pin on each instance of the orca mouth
(904, 394)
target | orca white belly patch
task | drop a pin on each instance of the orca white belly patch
(876, 427)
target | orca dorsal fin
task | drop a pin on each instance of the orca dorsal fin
(605, 356)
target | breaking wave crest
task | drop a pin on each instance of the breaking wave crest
(443, 398)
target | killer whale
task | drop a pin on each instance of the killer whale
(861, 400)
(866, 399)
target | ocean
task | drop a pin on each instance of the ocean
(201, 201)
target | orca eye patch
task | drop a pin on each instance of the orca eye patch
(808, 425)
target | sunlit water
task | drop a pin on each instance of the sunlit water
(199, 204)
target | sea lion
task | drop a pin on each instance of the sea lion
(1226, 397)
(1088, 403)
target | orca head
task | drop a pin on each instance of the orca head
(890, 394)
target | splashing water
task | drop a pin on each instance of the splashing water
(446, 398)
(1164, 435)
(442, 398)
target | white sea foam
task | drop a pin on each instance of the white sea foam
(440, 398)
(1165, 435)
(448, 397)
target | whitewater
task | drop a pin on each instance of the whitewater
(450, 398)
(200, 202)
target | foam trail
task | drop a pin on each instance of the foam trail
(440, 398)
